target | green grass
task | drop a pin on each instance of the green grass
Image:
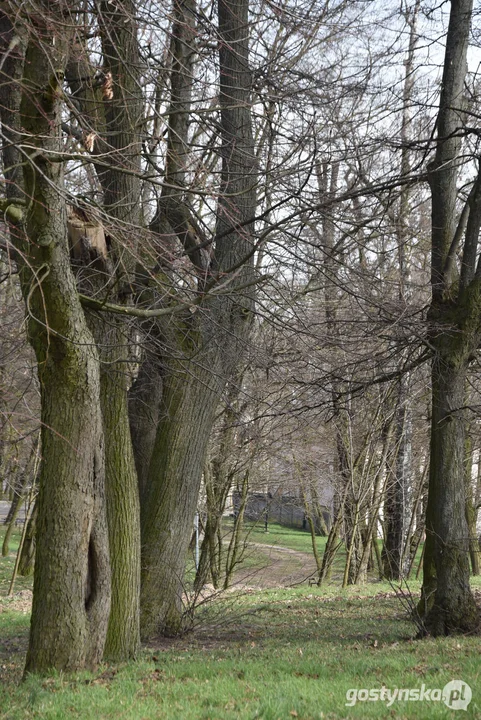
(282, 536)
(284, 654)
(278, 653)
(7, 564)
(298, 540)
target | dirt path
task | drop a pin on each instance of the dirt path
(275, 566)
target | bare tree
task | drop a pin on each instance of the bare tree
(454, 334)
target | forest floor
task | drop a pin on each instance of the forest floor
(257, 651)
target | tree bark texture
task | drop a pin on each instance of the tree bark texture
(208, 345)
(145, 396)
(452, 607)
(447, 604)
(188, 407)
(123, 116)
(71, 599)
(123, 506)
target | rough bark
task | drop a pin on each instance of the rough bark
(71, 597)
(145, 396)
(123, 115)
(209, 345)
(123, 513)
(447, 604)
(12, 46)
(452, 607)
(188, 407)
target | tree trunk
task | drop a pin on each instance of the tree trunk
(219, 475)
(474, 550)
(113, 116)
(209, 344)
(123, 508)
(71, 597)
(26, 563)
(234, 551)
(217, 486)
(332, 546)
(188, 406)
(453, 607)
(145, 397)
(121, 185)
(312, 530)
(447, 604)
(416, 528)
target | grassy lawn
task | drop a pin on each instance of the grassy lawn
(282, 536)
(274, 653)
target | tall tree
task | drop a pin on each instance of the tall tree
(121, 186)
(454, 336)
(72, 583)
(106, 117)
(209, 341)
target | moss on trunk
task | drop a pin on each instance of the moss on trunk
(71, 597)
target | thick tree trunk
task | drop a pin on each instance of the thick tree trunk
(71, 598)
(209, 345)
(123, 507)
(115, 115)
(12, 47)
(188, 407)
(121, 185)
(453, 607)
(170, 494)
(447, 604)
